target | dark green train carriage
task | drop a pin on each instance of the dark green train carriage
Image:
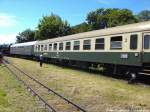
(125, 47)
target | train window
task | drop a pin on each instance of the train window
(99, 44)
(60, 46)
(38, 47)
(146, 41)
(86, 44)
(116, 42)
(133, 41)
(76, 45)
(50, 47)
(68, 45)
(41, 47)
(55, 46)
(45, 48)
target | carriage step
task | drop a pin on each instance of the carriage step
(146, 70)
(143, 73)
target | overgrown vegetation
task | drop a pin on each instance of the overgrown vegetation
(13, 97)
(94, 92)
(53, 26)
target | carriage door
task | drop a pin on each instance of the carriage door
(146, 47)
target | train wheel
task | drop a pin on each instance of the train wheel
(132, 77)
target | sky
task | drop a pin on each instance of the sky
(18, 15)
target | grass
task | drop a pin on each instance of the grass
(14, 97)
(96, 93)
(3, 98)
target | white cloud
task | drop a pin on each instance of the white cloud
(7, 20)
(104, 1)
(109, 2)
(7, 38)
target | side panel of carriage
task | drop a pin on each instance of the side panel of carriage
(124, 52)
(22, 50)
(121, 58)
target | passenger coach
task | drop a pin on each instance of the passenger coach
(23, 49)
(122, 49)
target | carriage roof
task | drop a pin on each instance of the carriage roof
(24, 44)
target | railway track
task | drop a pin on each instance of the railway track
(40, 90)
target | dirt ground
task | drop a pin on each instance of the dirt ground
(93, 92)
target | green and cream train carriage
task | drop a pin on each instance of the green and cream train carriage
(125, 47)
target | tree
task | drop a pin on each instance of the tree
(144, 15)
(83, 27)
(52, 26)
(102, 18)
(26, 36)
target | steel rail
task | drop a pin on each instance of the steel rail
(28, 87)
(49, 89)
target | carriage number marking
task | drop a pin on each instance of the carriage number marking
(124, 56)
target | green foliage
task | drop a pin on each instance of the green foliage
(144, 15)
(83, 27)
(52, 26)
(111, 17)
(25, 36)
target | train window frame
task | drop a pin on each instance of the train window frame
(76, 45)
(102, 44)
(87, 44)
(147, 41)
(55, 46)
(68, 47)
(45, 47)
(61, 46)
(42, 47)
(50, 47)
(36, 48)
(134, 41)
(116, 42)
